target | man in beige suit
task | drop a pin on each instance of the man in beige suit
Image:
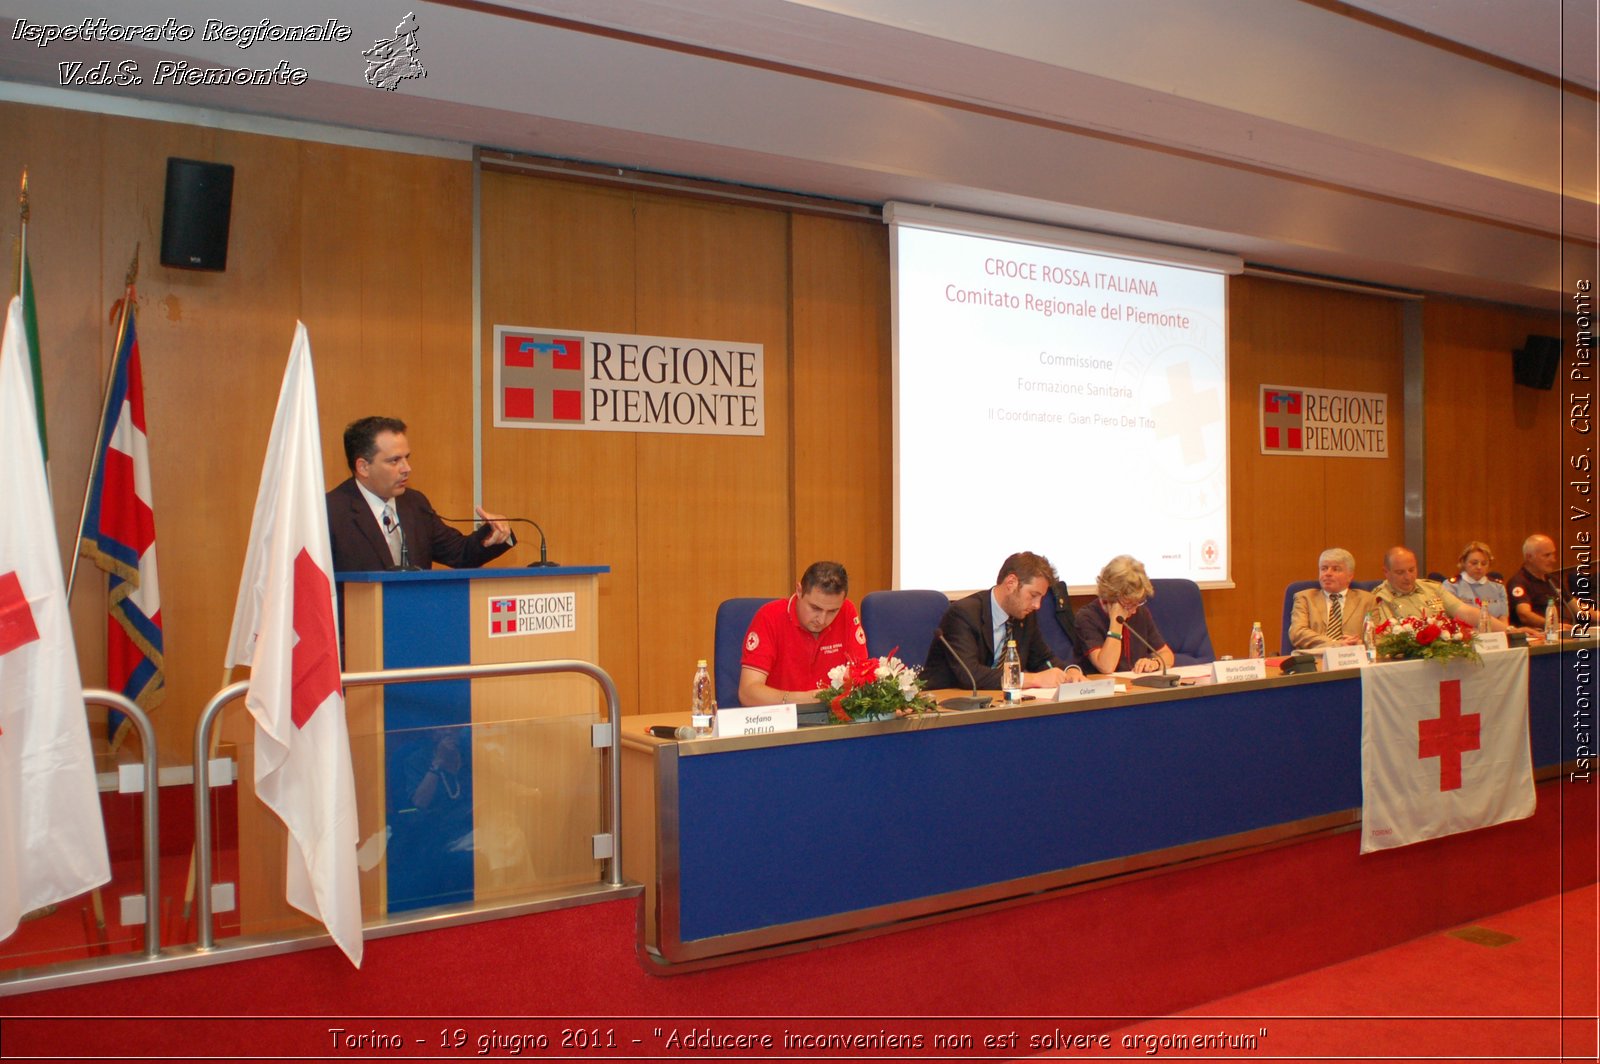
(1331, 615)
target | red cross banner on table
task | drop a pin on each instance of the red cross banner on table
(1444, 748)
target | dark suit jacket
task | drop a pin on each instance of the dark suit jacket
(359, 545)
(969, 626)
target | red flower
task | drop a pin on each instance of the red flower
(864, 672)
(1429, 634)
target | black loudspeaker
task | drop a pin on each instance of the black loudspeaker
(1535, 365)
(194, 224)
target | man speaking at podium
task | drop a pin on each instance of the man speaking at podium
(375, 522)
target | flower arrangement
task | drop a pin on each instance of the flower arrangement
(875, 688)
(1436, 637)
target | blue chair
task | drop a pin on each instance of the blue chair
(733, 621)
(1180, 613)
(1284, 646)
(904, 619)
(1055, 615)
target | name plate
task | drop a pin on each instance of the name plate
(1240, 669)
(1491, 641)
(756, 720)
(1073, 692)
(1344, 658)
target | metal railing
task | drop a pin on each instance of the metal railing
(205, 938)
(93, 696)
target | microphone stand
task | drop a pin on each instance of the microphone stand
(1161, 679)
(544, 561)
(972, 701)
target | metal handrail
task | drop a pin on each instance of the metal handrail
(94, 696)
(205, 939)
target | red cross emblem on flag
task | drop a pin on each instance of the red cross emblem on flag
(16, 617)
(502, 616)
(1448, 736)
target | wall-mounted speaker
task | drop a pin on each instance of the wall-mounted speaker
(1534, 366)
(194, 224)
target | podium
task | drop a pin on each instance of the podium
(473, 790)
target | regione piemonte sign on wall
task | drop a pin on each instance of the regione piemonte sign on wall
(617, 382)
(1322, 422)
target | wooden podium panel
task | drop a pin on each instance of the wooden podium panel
(518, 791)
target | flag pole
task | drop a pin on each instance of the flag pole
(105, 401)
(22, 241)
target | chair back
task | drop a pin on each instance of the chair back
(1284, 646)
(733, 621)
(904, 619)
(1055, 617)
(1180, 613)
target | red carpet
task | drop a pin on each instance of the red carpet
(1143, 948)
(1525, 989)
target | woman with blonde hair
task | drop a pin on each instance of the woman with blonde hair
(1117, 634)
(1472, 584)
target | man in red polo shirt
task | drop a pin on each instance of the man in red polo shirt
(793, 642)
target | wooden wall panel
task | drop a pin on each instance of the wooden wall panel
(1285, 511)
(843, 402)
(1496, 474)
(714, 511)
(560, 254)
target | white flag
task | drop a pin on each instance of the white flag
(284, 629)
(52, 837)
(1444, 748)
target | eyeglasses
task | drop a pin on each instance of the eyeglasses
(1130, 604)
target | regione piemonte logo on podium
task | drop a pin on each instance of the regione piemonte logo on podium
(571, 379)
(541, 614)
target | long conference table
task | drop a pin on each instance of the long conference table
(749, 845)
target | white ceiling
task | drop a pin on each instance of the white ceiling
(1429, 144)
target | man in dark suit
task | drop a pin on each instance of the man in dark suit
(376, 522)
(978, 626)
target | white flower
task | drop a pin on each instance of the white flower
(908, 682)
(837, 675)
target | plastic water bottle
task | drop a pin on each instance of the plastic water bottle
(1552, 622)
(1011, 672)
(1369, 637)
(703, 708)
(1258, 641)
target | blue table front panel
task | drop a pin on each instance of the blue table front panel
(795, 832)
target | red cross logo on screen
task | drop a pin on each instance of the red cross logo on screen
(1448, 736)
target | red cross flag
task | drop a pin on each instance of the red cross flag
(1444, 748)
(284, 629)
(52, 838)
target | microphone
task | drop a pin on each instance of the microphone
(666, 731)
(404, 565)
(544, 561)
(972, 701)
(1160, 679)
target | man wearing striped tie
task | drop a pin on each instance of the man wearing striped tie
(376, 522)
(1330, 615)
